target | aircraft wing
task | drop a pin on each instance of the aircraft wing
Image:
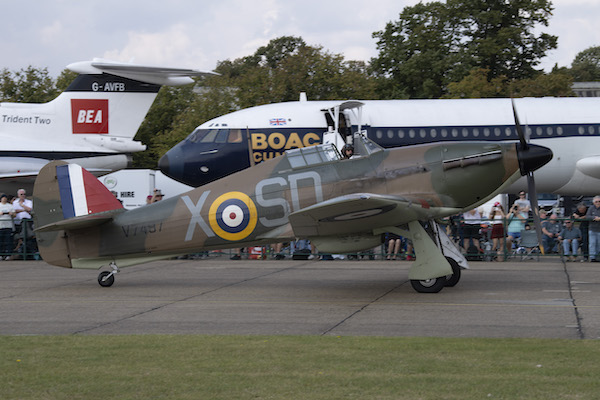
(359, 213)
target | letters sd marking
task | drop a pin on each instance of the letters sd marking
(233, 216)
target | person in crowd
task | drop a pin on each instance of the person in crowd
(472, 225)
(497, 217)
(393, 241)
(7, 213)
(570, 236)
(551, 229)
(522, 202)
(156, 196)
(23, 208)
(579, 215)
(593, 215)
(517, 217)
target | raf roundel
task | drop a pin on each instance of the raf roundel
(233, 216)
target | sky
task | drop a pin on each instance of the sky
(199, 33)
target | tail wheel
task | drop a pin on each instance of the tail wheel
(429, 285)
(106, 278)
(452, 280)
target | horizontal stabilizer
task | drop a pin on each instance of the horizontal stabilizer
(156, 75)
(85, 221)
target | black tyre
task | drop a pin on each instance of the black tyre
(452, 280)
(105, 282)
(429, 285)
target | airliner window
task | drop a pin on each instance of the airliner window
(210, 136)
(235, 136)
(222, 136)
(433, 133)
(401, 133)
(581, 130)
(444, 132)
(497, 131)
(197, 135)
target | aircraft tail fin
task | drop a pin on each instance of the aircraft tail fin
(95, 119)
(66, 197)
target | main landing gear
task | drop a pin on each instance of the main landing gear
(438, 263)
(436, 284)
(107, 278)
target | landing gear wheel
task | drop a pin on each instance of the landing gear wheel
(429, 285)
(106, 278)
(452, 280)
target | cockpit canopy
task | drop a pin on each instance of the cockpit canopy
(325, 153)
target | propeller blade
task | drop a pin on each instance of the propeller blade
(520, 132)
(535, 209)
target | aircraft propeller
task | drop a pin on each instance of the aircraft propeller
(524, 146)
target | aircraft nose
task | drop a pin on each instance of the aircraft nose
(172, 164)
(163, 164)
(533, 157)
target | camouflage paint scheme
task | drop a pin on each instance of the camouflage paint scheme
(342, 205)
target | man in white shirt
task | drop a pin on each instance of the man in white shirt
(23, 207)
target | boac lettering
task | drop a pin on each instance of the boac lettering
(275, 143)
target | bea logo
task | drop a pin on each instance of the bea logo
(89, 116)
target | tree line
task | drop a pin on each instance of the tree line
(452, 49)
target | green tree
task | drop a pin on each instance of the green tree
(586, 65)
(478, 85)
(436, 43)
(417, 53)
(287, 66)
(29, 85)
(557, 83)
(499, 35)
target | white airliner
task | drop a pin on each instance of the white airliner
(568, 126)
(92, 123)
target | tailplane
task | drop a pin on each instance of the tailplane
(67, 197)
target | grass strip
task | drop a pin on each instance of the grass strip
(295, 367)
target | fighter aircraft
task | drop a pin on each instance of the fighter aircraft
(341, 205)
(92, 123)
(570, 127)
